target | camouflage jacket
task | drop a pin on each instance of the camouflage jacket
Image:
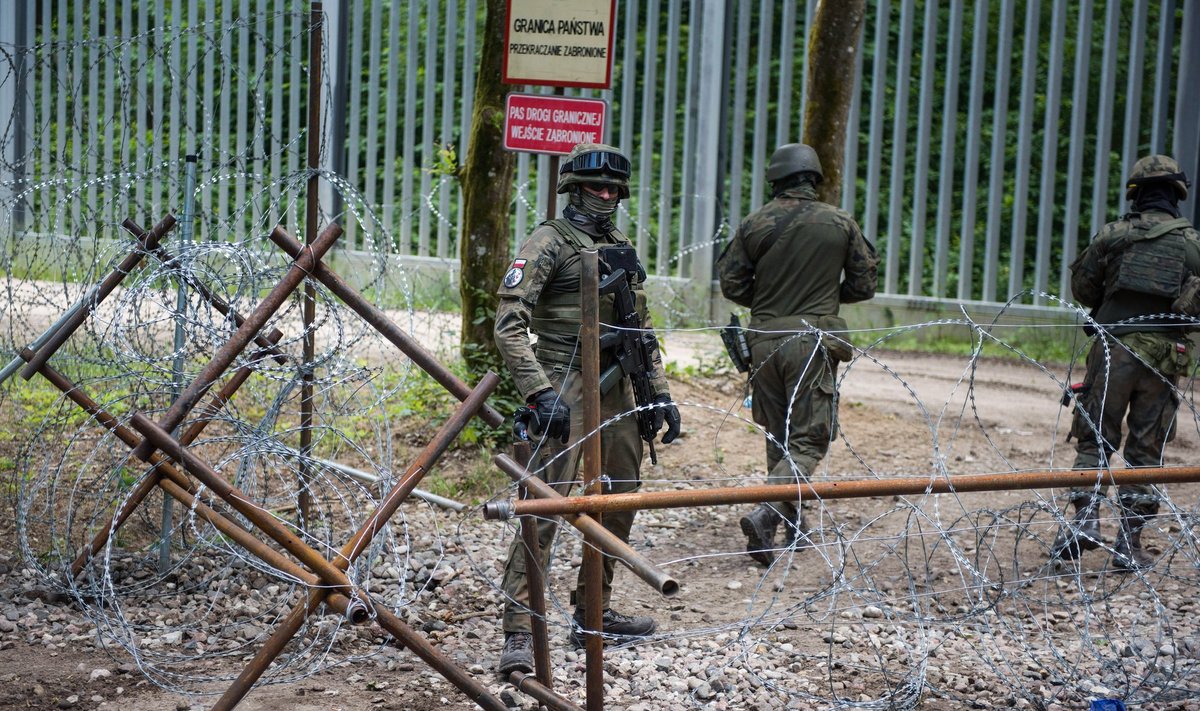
(547, 265)
(1096, 273)
(787, 258)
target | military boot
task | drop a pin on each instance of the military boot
(616, 627)
(1127, 551)
(759, 526)
(1081, 533)
(517, 654)
(795, 534)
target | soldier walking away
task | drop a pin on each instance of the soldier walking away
(1139, 276)
(541, 294)
(793, 262)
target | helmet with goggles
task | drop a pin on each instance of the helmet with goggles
(594, 164)
(1156, 169)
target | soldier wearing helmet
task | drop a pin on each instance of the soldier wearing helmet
(793, 262)
(541, 294)
(1139, 276)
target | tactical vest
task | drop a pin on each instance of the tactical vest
(557, 316)
(1149, 265)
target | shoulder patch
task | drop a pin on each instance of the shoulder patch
(515, 273)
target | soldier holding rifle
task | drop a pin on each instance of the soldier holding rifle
(1141, 277)
(541, 294)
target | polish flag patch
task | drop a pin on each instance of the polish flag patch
(515, 273)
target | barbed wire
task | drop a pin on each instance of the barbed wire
(881, 604)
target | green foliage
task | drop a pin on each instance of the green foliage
(445, 163)
(478, 480)
(505, 398)
(422, 399)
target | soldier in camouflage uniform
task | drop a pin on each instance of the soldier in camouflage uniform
(786, 263)
(541, 294)
(1132, 275)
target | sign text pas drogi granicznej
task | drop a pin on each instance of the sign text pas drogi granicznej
(538, 123)
(556, 43)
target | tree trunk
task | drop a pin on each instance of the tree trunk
(832, 52)
(487, 183)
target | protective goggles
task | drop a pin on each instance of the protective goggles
(1169, 177)
(596, 162)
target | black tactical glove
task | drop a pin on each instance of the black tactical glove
(551, 416)
(665, 410)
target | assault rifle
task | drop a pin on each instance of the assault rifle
(632, 347)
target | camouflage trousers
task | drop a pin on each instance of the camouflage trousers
(793, 400)
(1121, 387)
(621, 459)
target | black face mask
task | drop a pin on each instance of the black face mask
(1157, 196)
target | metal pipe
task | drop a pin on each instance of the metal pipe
(238, 500)
(102, 291)
(850, 489)
(357, 543)
(172, 262)
(603, 538)
(429, 654)
(311, 216)
(593, 561)
(126, 435)
(545, 696)
(355, 609)
(425, 461)
(302, 266)
(389, 330)
(148, 482)
(181, 300)
(535, 582)
(18, 361)
(369, 478)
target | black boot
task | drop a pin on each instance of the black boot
(759, 526)
(1082, 533)
(1127, 551)
(795, 534)
(517, 654)
(617, 628)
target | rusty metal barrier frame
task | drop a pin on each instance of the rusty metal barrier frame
(171, 464)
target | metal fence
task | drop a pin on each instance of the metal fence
(987, 140)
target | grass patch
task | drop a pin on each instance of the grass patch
(1051, 344)
(471, 480)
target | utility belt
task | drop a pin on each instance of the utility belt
(555, 360)
(835, 341)
(561, 360)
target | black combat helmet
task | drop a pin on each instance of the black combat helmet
(791, 158)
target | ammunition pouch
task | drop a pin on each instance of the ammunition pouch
(1188, 301)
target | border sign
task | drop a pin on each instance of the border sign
(556, 43)
(540, 123)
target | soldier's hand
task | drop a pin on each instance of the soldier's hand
(551, 416)
(665, 411)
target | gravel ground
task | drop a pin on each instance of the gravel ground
(910, 602)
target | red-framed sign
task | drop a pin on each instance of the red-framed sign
(556, 43)
(538, 123)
